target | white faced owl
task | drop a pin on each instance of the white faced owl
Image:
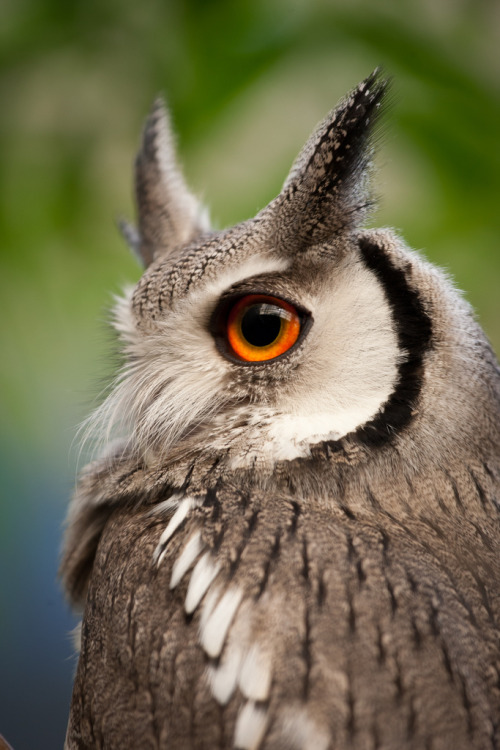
(293, 540)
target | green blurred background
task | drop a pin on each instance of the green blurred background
(246, 81)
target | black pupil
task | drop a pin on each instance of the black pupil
(261, 324)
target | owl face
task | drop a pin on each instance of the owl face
(285, 332)
(267, 353)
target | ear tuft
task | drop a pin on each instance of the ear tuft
(326, 191)
(168, 214)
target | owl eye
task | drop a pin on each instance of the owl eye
(261, 327)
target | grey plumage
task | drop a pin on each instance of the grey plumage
(301, 551)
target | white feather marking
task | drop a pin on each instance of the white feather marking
(256, 674)
(211, 600)
(302, 733)
(213, 633)
(165, 506)
(250, 727)
(187, 557)
(224, 677)
(180, 514)
(202, 576)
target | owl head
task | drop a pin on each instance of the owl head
(296, 334)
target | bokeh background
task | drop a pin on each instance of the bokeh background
(246, 80)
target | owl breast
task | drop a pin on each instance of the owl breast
(227, 620)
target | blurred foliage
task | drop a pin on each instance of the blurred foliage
(246, 82)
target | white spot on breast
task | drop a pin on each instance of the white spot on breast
(180, 514)
(255, 677)
(250, 727)
(214, 631)
(187, 557)
(224, 677)
(202, 576)
(211, 600)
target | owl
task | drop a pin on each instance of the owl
(292, 538)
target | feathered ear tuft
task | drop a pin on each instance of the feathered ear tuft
(326, 191)
(168, 214)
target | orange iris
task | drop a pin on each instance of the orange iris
(260, 327)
